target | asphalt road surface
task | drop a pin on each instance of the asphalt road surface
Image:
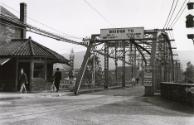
(111, 107)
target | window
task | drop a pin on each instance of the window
(39, 70)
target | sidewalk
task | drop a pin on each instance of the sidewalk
(48, 93)
(16, 95)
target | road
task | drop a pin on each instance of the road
(111, 107)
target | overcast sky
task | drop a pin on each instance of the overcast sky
(76, 18)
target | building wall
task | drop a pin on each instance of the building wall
(41, 84)
(9, 78)
(36, 83)
(7, 33)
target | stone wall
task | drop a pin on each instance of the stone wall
(178, 92)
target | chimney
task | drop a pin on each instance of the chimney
(23, 18)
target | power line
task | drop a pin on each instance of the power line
(172, 13)
(46, 35)
(39, 31)
(169, 13)
(172, 25)
(98, 12)
(11, 25)
(178, 15)
(49, 27)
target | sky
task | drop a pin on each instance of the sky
(76, 19)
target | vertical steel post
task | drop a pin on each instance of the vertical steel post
(165, 64)
(172, 69)
(116, 63)
(106, 65)
(94, 69)
(131, 58)
(175, 71)
(134, 63)
(149, 90)
(123, 64)
(82, 69)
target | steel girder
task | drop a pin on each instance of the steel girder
(154, 50)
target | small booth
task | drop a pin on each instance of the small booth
(36, 60)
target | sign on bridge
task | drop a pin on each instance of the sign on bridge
(148, 76)
(122, 33)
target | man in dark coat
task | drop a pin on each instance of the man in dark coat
(57, 79)
(23, 81)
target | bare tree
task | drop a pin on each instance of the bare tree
(189, 73)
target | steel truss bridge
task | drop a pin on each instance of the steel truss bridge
(153, 54)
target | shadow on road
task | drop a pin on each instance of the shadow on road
(137, 104)
(168, 104)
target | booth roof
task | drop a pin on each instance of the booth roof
(29, 48)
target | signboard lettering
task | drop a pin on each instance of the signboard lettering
(122, 33)
(148, 76)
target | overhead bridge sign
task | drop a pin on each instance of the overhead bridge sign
(122, 33)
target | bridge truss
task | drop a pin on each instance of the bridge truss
(153, 55)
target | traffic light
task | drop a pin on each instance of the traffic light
(190, 5)
(189, 21)
(190, 36)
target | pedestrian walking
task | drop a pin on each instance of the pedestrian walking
(137, 80)
(23, 81)
(53, 87)
(57, 79)
(133, 81)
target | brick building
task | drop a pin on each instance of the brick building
(8, 32)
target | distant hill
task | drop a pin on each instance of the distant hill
(184, 57)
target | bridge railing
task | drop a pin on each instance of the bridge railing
(180, 92)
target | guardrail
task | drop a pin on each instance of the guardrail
(180, 92)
